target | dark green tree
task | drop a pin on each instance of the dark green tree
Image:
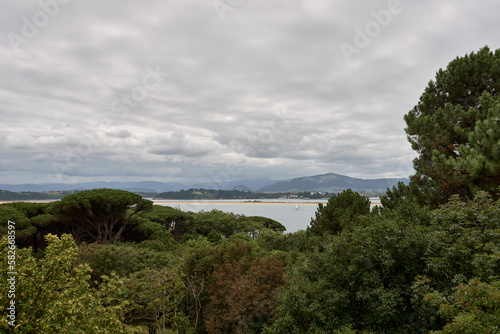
(362, 279)
(23, 227)
(176, 221)
(339, 212)
(224, 223)
(268, 223)
(386, 275)
(477, 165)
(100, 215)
(403, 204)
(122, 259)
(39, 218)
(439, 127)
(474, 308)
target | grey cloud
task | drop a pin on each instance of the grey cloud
(123, 133)
(268, 88)
(179, 144)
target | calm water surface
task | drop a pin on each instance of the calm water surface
(294, 215)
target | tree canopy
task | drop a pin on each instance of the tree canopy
(454, 127)
(339, 212)
(53, 294)
(100, 215)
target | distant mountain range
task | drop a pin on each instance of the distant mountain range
(330, 182)
(251, 185)
(144, 186)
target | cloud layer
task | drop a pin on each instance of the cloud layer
(184, 90)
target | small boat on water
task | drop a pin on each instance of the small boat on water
(297, 207)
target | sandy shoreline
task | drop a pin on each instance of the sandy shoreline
(239, 202)
(229, 202)
(160, 201)
(200, 202)
(32, 201)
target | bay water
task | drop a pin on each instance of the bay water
(293, 214)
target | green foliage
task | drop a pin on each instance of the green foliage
(243, 293)
(174, 220)
(216, 224)
(404, 268)
(339, 212)
(100, 215)
(376, 274)
(6, 195)
(267, 223)
(156, 296)
(399, 196)
(53, 294)
(122, 259)
(477, 164)
(293, 243)
(232, 285)
(475, 308)
(203, 194)
(466, 239)
(403, 204)
(24, 228)
(224, 223)
(452, 114)
(362, 278)
(39, 222)
(206, 194)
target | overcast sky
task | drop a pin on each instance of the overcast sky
(221, 90)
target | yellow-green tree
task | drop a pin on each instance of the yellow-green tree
(475, 308)
(156, 296)
(53, 294)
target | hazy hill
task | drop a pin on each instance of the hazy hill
(332, 182)
(252, 184)
(242, 188)
(144, 186)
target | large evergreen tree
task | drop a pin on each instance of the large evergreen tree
(454, 106)
(477, 165)
(100, 215)
(339, 212)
